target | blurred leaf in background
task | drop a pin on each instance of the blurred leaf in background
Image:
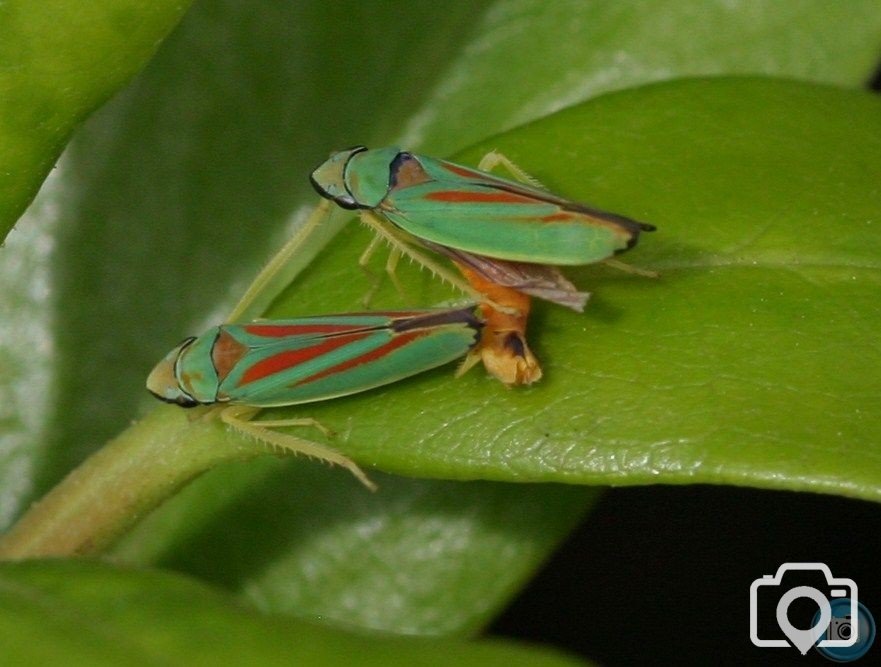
(170, 198)
(59, 61)
(81, 613)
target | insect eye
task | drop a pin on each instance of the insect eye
(346, 201)
(185, 401)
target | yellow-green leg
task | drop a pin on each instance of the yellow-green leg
(399, 240)
(239, 418)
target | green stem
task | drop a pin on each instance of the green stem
(118, 485)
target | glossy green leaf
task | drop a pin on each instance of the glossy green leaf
(173, 195)
(83, 613)
(750, 361)
(59, 61)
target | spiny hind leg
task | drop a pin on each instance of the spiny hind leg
(248, 412)
(400, 241)
(300, 422)
(364, 264)
(239, 418)
(391, 269)
(391, 266)
(495, 159)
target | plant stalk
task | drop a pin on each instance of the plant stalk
(122, 482)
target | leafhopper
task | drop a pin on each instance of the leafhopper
(242, 368)
(506, 236)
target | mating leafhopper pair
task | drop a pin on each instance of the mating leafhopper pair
(506, 237)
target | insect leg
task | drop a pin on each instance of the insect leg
(239, 418)
(495, 159)
(267, 285)
(301, 421)
(364, 259)
(391, 267)
(469, 362)
(364, 263)
(399, 240)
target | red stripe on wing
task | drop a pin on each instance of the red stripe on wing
(398, 341)
(620, 224)
(557, 217)
(284, 360)
(282, 330)
(490, 197)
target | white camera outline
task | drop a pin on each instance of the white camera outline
(776, 579)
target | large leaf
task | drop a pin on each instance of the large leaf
(81, 613)
(174, 194)
(59, 61)
(533, 58)
(737, 366)
(750, 361)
